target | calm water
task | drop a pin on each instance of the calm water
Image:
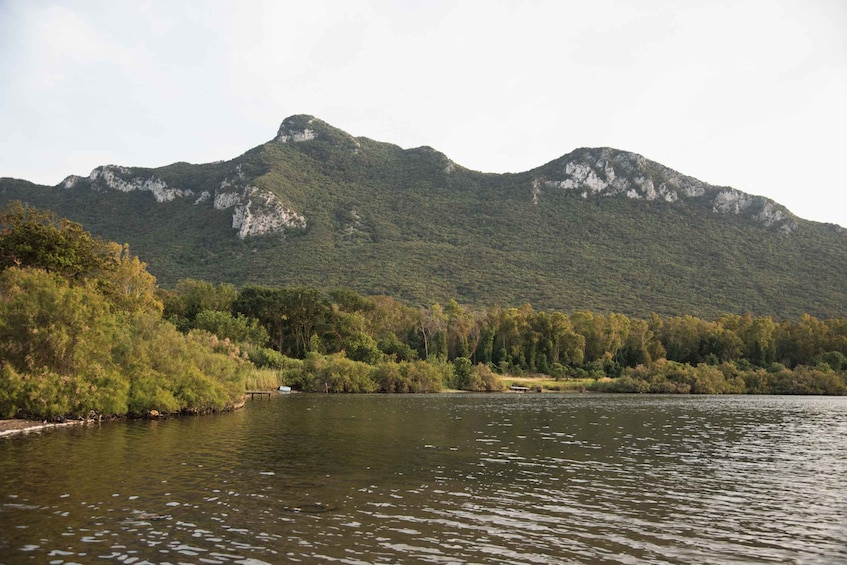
(439, 479)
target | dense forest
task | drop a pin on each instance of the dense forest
(85, 330)
(316, 337)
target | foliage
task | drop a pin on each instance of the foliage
(195, 296)
(483, 379)
(81, 331)
(471, 347)
(265, 357)
(463, 374)
(414, 376)
(55, 343)
(728, 378)
(332, 373)
(38, 239)
(127, 284)
(237, 328)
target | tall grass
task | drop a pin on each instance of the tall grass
(264, 379)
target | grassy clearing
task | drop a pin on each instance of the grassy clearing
(544, 383)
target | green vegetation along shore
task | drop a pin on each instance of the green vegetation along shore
(85, 331)
(82, 333)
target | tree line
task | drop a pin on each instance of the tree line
(731, 354)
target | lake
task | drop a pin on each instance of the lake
(444, 478)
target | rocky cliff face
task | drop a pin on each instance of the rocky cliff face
(609, 172)
(296, 129)
(113, 177)
(255, 212)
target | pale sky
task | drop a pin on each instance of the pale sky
(750, 94)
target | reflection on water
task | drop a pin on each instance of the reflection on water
(439, 479)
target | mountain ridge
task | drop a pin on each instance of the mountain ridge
(316, 205)
(587, 170)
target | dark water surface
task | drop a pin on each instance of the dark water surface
(439, 479)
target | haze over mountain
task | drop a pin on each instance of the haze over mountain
(598, 228)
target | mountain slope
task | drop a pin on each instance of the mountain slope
(596, 229)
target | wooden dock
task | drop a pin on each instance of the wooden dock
(261, 393)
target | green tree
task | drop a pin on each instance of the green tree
(463, 370)
(127, 284)
(38, 239)
(194, 296)
(432, 325)
(590, 327)
(238, 328)
(266, 305)
(683, 338)
(757, 334)
(722, 343)
(362, 347)
(835, 359)
(568, 347)
(462, 331)
(303, 311)
(639, 345)
(799, 342)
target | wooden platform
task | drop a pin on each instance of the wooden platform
(261, 393)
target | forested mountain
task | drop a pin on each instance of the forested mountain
(597, 229)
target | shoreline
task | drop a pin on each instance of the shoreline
(15, 426)
(19, 426)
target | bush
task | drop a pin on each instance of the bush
(266, 358)
(484, 380)
(332, 373)
(56, 348)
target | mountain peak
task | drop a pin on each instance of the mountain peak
(300, 127)
(303, 127)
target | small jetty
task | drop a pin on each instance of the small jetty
(515, 388)
(259, 393)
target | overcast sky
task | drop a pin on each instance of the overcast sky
(750, 94)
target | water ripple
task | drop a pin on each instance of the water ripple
(440, 479)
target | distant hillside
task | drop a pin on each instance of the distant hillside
(597, 229)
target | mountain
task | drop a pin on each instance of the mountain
(598, 228)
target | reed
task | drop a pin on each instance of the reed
(264, 379)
